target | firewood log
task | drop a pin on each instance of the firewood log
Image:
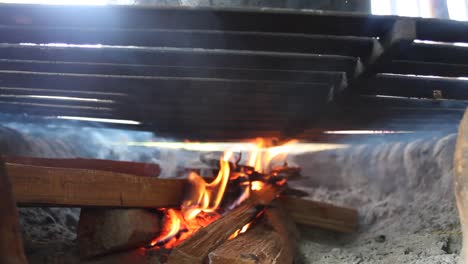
(39, 185)
(271, 241)
(77, 187)
(319, 214)
(134, 168)
(196, 249)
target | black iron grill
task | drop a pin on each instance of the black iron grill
(217, 74)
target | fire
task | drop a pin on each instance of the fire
(240, 231)
(256, 185)
(209, 195)
(202, 204)
(171, 228)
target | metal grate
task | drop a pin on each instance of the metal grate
(224, 74)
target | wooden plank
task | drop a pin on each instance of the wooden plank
(126, 167)
(264, 20)
(207, 39)
(461, 181)
(35, 185)
(182, 57)
(318, 214)
(50, 186)
(11, 245)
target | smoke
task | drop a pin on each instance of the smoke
(53, 139)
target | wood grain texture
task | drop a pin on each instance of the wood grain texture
(319, 214)
(196, 249)
(271, 241)
(77, 187)
(11, 245)
(135, 168)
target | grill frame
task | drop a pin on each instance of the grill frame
(203, 73)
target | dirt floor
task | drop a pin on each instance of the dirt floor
(403, 191)
(402, 188)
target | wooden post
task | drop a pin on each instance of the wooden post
(11, 245)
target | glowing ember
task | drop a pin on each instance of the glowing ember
(256, 185)
(202, 204)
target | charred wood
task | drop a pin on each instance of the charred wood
(196, 248)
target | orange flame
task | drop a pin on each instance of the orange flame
(172, 228)
(209, 194)
(240, 231)
(200, 207)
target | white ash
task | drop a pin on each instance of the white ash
(403, 191)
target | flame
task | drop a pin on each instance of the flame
(172, 227)
(262, 155)
(209, 194)
(201, 206)
(240, 231)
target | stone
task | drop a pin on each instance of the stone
(103, 231)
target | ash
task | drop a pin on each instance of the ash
(402, 189)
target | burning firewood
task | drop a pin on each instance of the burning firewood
(202, 217)
(11, 246)
(271, 241)
(73, 187)
(196, 248)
